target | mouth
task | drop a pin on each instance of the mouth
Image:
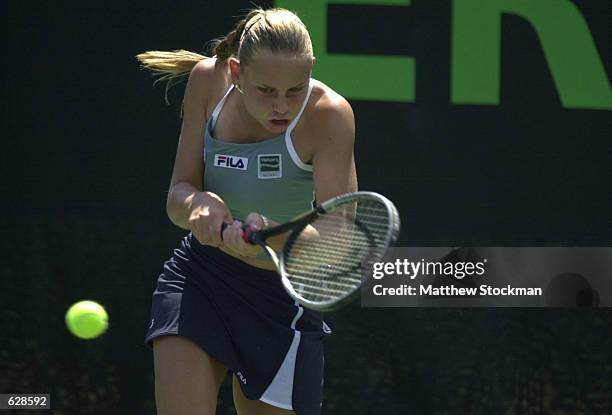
(279, 122)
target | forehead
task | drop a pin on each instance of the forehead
(278, 70)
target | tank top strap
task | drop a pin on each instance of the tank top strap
(217, 110)
(289, 141)
(297, 117)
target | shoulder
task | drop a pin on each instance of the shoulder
(329, 107)
(330, 116)
(209, 70)
(208, 81)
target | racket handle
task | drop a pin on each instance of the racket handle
(247, 231)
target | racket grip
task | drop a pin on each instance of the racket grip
(247, 231)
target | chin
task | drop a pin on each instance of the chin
(275, 127)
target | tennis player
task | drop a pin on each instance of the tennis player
(261, 142)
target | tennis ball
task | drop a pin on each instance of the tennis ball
(86, 319)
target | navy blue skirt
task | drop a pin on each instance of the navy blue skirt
(242, 317)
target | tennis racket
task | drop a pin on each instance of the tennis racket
(328, 249)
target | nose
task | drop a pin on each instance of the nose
(280, 106)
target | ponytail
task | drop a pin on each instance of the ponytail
(275, 30)
(169, 66)
(172, 67)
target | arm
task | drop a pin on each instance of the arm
(187, 205)
(333, 159)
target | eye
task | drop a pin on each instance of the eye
(265, 90)
(296, 90)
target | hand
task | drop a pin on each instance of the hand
(233, 236)
(208, 212)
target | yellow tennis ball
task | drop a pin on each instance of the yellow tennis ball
(86, 319)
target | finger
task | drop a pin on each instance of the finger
(254, 220)
(249, 228)
(236, 234)
(224, 234)
(224, 225)
(241, 245)
(227, 236)
(197, 229)
(214, 233)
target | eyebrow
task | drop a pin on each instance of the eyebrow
(271, 87)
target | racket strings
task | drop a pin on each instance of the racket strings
(326, 260)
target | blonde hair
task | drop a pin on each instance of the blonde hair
(274, 30)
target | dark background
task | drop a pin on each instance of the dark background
(86, 162)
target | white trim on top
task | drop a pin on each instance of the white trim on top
(218, 108)
(289, 142)
(294, 155)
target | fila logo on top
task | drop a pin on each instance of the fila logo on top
(231, 162)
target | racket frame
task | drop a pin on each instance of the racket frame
(301, 222)
(258, 237)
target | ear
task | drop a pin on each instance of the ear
(234, 65)
(314, 60)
